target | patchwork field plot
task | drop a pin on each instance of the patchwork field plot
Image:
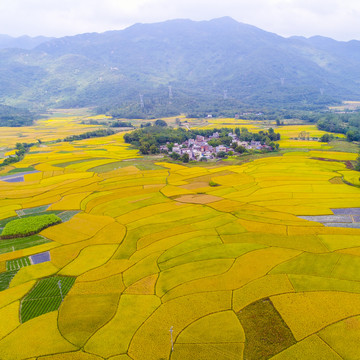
(28, 226)
(16, 264)
(247, 269)
(5, 279)
(21, 243)
(46, 296)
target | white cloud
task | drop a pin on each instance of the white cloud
(333, 18)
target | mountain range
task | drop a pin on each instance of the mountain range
(178, 65)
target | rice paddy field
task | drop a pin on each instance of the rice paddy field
(151, 262)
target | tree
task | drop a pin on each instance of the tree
(327, 138)
(221, 154)
(240, 149)
(160, 123)
(145, 148)
(357, 165)
(227, 140)
(175, 156)
(353, 135)
(185, 158)
(154, 149)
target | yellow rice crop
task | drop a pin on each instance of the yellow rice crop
(310, 348)
(114, 337)
(11, 314)
(89, 258)
(225, 328)
(306, 313)
(36, 337)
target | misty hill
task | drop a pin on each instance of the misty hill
(22, 42)
(217, 63)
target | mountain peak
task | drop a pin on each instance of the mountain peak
(199, 59)
(225, 20)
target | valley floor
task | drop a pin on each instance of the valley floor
(151, 262)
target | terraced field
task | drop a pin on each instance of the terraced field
(154, 254)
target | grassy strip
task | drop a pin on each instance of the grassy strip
(266, 332)
(18, 170)
(140, 164)
(21, 243)
(28, 226)
(36, 210)
(45, 297)
(67, 215)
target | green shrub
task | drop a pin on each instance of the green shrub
(28, 226)
(213, 183)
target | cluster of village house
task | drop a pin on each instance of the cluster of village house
(199, 148)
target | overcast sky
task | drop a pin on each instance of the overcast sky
(339, 19)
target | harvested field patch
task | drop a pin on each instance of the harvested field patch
(266, 332)
(198, 199)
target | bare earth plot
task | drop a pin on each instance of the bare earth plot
(235, 271)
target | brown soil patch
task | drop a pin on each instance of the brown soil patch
(198, 199)
(195, 185)
(145, 286)
(336, 180)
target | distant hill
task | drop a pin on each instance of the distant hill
(22, 42)
(208, 64)
(10, 116)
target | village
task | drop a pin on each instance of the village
(199, 149)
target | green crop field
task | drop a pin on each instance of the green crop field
(16, 264)
(5, 279)
(9, 245)
(45, 297)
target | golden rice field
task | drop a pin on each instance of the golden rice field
(45, 129)
(158, 255)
